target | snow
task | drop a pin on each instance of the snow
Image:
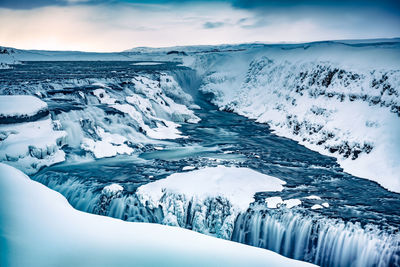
(277, 202)
(316, 207)
(33, 144)
(7, 58)
(112, 189)
(290, 203)
(207, 200)
(148, 103)
(110, 145)
(49, 232)
(188, 168)
(313, 197)
(238, 185)
(339, 98)
(325, 204)
(273, 202)
(20, 105)
(103, 97)
(149, 63)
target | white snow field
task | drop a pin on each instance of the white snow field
(40, 228)
(341, 99)
(28, 140)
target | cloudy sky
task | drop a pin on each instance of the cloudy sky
(116, 25)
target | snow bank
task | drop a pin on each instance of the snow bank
(49, 232)
(340, 99)
(20, 108)
(18, 105)
(207, 200)
(28, 141)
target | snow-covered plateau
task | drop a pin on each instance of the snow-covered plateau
(42, 229)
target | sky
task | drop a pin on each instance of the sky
(117, 25)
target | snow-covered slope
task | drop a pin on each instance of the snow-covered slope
(49, 232)
(28, 139)
(339, 98)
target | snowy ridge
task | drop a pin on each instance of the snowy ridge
(339, 99)
(55, 234)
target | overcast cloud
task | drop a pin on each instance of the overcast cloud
(115, 25)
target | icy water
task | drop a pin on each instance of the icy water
(362, 215)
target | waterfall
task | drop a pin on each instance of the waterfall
(320, 240)
(292, 233)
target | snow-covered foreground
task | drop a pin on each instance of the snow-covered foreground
(40, 228)
(340, 99)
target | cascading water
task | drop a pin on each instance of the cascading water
(295, 233)
(323, 241)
